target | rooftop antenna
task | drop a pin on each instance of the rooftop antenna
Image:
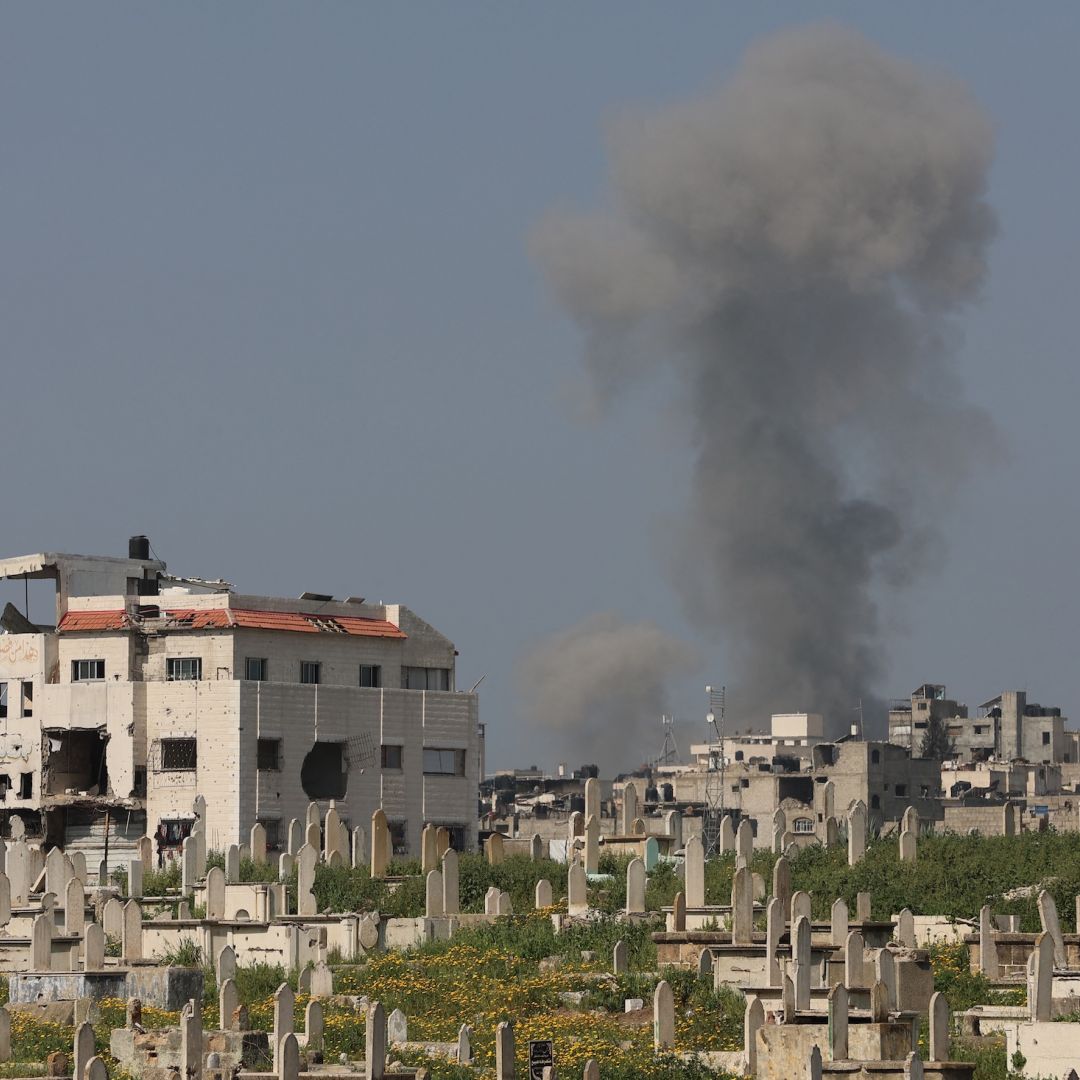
(669, 754)
(857, 726)
(715, 773)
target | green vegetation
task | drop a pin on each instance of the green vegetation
(953, 875)
(162, 882)
(963, 987)
(354, 889)
(186, 953)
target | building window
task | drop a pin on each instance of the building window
(273, 832)
(399, 836)
(875, 756)
(457, 836)
(391, 756)
(3, 700)
(744, 782)
(178, 754)
(875, 802)
(269, 755)
(28, 699)
(804, 825)
(425, 678)
(183, 668)
(26, 785)
(922, 706)
(1045, 735)
(444, 762)
(309, 671)
(901, 790)
(255, 669)
(87, 670)
(370, 675)
(324, 772)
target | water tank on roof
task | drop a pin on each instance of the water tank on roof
(138, 547)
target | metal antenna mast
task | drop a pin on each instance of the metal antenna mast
(670, 751)
(715, 773)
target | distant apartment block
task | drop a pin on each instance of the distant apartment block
(149, 689)
(1006, 728)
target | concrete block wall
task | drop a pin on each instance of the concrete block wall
(209, 712)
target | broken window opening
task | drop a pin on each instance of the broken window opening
(3, 700)
(74, 763)
(28, 699)
(269, 755)
(273, 832)
(26, 785)
(399, 836)
(5, 786)
(325, 771)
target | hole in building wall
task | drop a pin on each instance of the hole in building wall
(324, 773)
(75, 763)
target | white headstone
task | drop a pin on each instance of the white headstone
(635, 887)
(131, 938)
(93, 948)
(284, 1004)
(375, 1043)
(380, 844)
(663, 1016)
(433, 896)
(215, 893)
(742, 907)
(694, 878)
(257, 843)
(306, 861)
(838, 918)
(577, 898)
(397, 1027)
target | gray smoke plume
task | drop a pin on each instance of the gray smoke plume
(598, 689)
(795, 248)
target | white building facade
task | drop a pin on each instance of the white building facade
(150, 690)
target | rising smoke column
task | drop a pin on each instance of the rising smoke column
(795, 248)
(598, 689)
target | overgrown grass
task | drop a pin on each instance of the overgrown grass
(953, 875)
(354, 889)
(964, 988)
(185, 953)
(161, 882)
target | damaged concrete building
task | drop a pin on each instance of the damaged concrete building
(149, 689)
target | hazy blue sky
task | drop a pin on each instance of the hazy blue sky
(265, 296)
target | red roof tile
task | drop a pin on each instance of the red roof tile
(94, 620)
(236, 618)
(314, 624)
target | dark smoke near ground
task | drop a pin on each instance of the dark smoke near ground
(794, 249)
(599, 687)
